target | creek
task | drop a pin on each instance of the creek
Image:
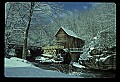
(71, 70)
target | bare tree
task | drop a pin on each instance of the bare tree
(33, 16)
(27, 30)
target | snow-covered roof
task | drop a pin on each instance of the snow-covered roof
(69, 32)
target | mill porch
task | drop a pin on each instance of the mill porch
(75, 53)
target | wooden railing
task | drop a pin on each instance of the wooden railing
(76, 50)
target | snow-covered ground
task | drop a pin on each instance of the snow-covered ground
(77, 65)
(16, 62)
(16, 67)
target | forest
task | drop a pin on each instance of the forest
(39, 21)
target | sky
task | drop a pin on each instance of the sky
(77, 5)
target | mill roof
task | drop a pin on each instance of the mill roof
(69, 32)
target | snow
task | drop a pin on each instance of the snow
(42, 58)
(69, 32)
(90, 56)
(77, 65)
(95, 37)
(53, 60)
(16, 67)
(47, 55)
(12, 52)
(16, 62)
(103, 59)
(91, 48)
(85, 54)
(96, 60)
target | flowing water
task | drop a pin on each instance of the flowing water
(71, 70)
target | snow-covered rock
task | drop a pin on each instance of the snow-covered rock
(97, 58)
(77, 65)
(104, 58)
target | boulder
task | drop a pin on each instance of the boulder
(97, 59)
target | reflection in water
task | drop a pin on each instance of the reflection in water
(86, 73)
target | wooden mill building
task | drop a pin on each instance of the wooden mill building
(68, 39)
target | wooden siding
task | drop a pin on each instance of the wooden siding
(67, 41)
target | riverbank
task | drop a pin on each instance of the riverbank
(78, 71)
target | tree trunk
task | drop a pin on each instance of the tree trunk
(26, 32)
